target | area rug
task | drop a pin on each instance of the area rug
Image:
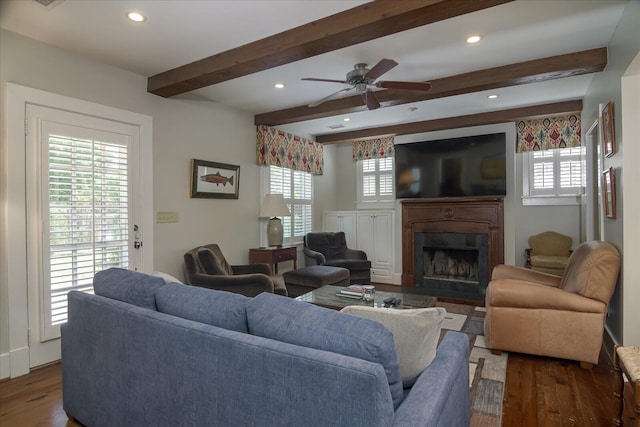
(487, 372)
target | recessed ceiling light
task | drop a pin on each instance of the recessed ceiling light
(492, 96)
(412, 109)
(473, 39)
(346, 119)
(136, 16)
(279, 85)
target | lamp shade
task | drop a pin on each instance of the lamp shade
(274, 206)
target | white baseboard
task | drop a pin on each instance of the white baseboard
(5, 368)
(15, 363)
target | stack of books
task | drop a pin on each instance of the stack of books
(353, 291)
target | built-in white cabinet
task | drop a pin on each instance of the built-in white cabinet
(342, 221)
(370, 231)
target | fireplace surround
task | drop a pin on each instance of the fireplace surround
(450, 246)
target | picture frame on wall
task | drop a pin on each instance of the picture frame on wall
(609, 193)
(213, 180)
(608, 130)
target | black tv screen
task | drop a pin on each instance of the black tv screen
(472, 166)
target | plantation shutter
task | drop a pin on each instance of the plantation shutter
(85, 206)
(296, 189)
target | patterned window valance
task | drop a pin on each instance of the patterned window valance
(548, 133)
(279, 148)
(377, 148)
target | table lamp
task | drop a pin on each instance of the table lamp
(274, 206)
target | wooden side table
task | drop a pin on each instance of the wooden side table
(274, 255)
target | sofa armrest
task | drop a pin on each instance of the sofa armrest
(520, 294)
(355, 254)
(246, 284)
(251, 269)
(312, 257)
(440, 396)
(502, 271)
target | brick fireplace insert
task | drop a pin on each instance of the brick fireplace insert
(450, 246)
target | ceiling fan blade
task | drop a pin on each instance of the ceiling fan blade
(333, 95)
(380, 68)
(324, 80)
(404, 85)
(370, 100)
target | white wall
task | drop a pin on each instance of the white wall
(182, 129)
(520, 221)
(605, 87)
(631, 208)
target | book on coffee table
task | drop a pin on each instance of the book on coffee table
(352, 290)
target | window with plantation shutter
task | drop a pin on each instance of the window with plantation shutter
(297, 189)
(553, 174)
(375, 180)
(85, 209)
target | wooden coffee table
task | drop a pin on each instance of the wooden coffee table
(328, 296)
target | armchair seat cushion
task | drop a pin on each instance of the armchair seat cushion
(351, 264)
(549, 261)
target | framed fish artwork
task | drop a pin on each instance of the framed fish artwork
(212, 180)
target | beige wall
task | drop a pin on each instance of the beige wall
(183, 129)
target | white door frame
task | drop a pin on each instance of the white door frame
(13, 243)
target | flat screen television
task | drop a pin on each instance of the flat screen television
(473, 166)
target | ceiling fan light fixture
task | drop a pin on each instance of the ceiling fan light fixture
(473, 39)
(136, 16)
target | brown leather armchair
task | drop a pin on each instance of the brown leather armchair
(206, 266)
(329, 248)
(542, 314)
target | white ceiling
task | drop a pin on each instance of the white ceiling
(179, 32)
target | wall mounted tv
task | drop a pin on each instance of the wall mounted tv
(473, 166)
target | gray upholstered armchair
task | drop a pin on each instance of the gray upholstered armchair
(331, 249)
(205, 266)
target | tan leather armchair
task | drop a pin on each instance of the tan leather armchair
(542, 314)
(549, 252)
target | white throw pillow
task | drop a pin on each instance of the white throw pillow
(167, 277)
(415, 331)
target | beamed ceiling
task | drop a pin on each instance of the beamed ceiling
(538, 57)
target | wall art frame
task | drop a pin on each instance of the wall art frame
(213, 180)
(608, 130)
(609, 193)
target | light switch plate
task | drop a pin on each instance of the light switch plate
(164, 217)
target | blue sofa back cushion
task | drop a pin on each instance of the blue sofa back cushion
(295, 322)
(217, 308)
(128, 286)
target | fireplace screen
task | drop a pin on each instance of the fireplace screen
(451, 264)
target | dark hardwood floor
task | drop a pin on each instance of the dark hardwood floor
(539, 392)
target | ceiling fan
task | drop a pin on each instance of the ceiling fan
(361, 77)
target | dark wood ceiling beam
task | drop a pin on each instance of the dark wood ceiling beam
(487, 118)
(537, 70)
(357, 25)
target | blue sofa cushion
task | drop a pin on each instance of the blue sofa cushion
(217, 308)
(128, 286)
(295, 322)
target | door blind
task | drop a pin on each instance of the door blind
(86, 203)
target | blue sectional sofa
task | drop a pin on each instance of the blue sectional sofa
(145, 353)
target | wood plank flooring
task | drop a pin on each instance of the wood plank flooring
(539, 392)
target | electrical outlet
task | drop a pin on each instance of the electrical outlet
(163, 217)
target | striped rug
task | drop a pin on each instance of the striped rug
(487, 372)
